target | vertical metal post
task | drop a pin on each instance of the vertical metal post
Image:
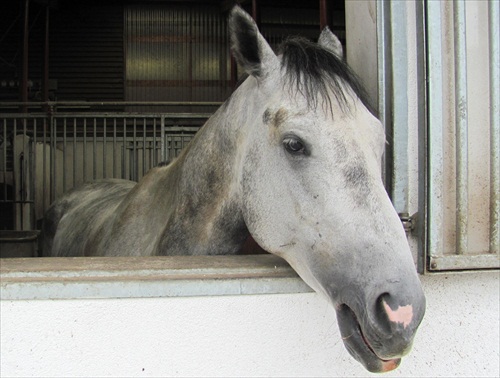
(134, 168)
(461, 125)
(24, 78)
(94, 151)
(53, 165)
(155, 160)
(124, 150)
(24, 174)
(104, 149)
(323, 14)
(421, 226)
(84, 149)
(163, 156)
(114, 147)
(45, 73)
(494, 49)
(384, 77)
(143, 148)
(44, 161)
(34, 184)
(4, 153)
(399, 57)
(74, 152)
(64, 156)
(256, 12)
(435, 103)
(14, 176)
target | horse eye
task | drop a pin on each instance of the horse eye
(294, 146)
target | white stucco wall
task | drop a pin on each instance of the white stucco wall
(247, 335)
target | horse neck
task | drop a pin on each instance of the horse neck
(207, 218)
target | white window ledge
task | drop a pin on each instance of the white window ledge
(146, 277)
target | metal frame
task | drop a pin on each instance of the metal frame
(426, 225)
(440, 260)
(393, 113)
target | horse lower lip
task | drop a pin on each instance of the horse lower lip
(358, 345)
(369, 346)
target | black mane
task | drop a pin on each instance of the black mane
(311, 70)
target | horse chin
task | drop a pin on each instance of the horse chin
(357, 344)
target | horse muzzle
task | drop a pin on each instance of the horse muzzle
(379, 341)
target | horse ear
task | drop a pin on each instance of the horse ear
(249, 47)
(329, 41)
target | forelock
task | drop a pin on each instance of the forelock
(315, 72)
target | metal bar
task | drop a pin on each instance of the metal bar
(143, 147)
(114, 147)
(494, 49)
(323, 14)
(24, 173)
(104, 150)
(399, 56)
(14, 178)
(171, 116)
(124, 149)
(421, 225)
(134, 150)
(435, 114)
(4, 148)
(34, 176)
(64, 155)
(74, 152)
(155, 160)
(53, 173)
(163, 156)
(44, 162)
(86, 104)
(94, 151)
(384, 77)
(84, 149)
(461, 112)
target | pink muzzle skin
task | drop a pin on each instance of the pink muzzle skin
(402, 315)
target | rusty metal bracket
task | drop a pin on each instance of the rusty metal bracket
(408, 221)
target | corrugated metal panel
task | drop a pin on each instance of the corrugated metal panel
(463, 135)
(86, 51)
(176, 52)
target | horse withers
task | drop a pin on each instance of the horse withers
(292, 159)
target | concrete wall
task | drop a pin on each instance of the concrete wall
(247, 335)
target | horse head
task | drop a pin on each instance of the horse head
(311, 138)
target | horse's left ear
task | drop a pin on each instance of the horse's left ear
(249, 47)
(329, 41)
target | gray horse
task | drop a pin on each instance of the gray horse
(293, 159)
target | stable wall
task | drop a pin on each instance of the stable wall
(243, 335)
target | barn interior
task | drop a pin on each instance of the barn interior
(92, 89)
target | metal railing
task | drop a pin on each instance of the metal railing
(43, 155)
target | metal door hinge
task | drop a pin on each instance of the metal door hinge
(408, 221)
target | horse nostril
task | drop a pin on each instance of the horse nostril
(393, 315)
(381, 315)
